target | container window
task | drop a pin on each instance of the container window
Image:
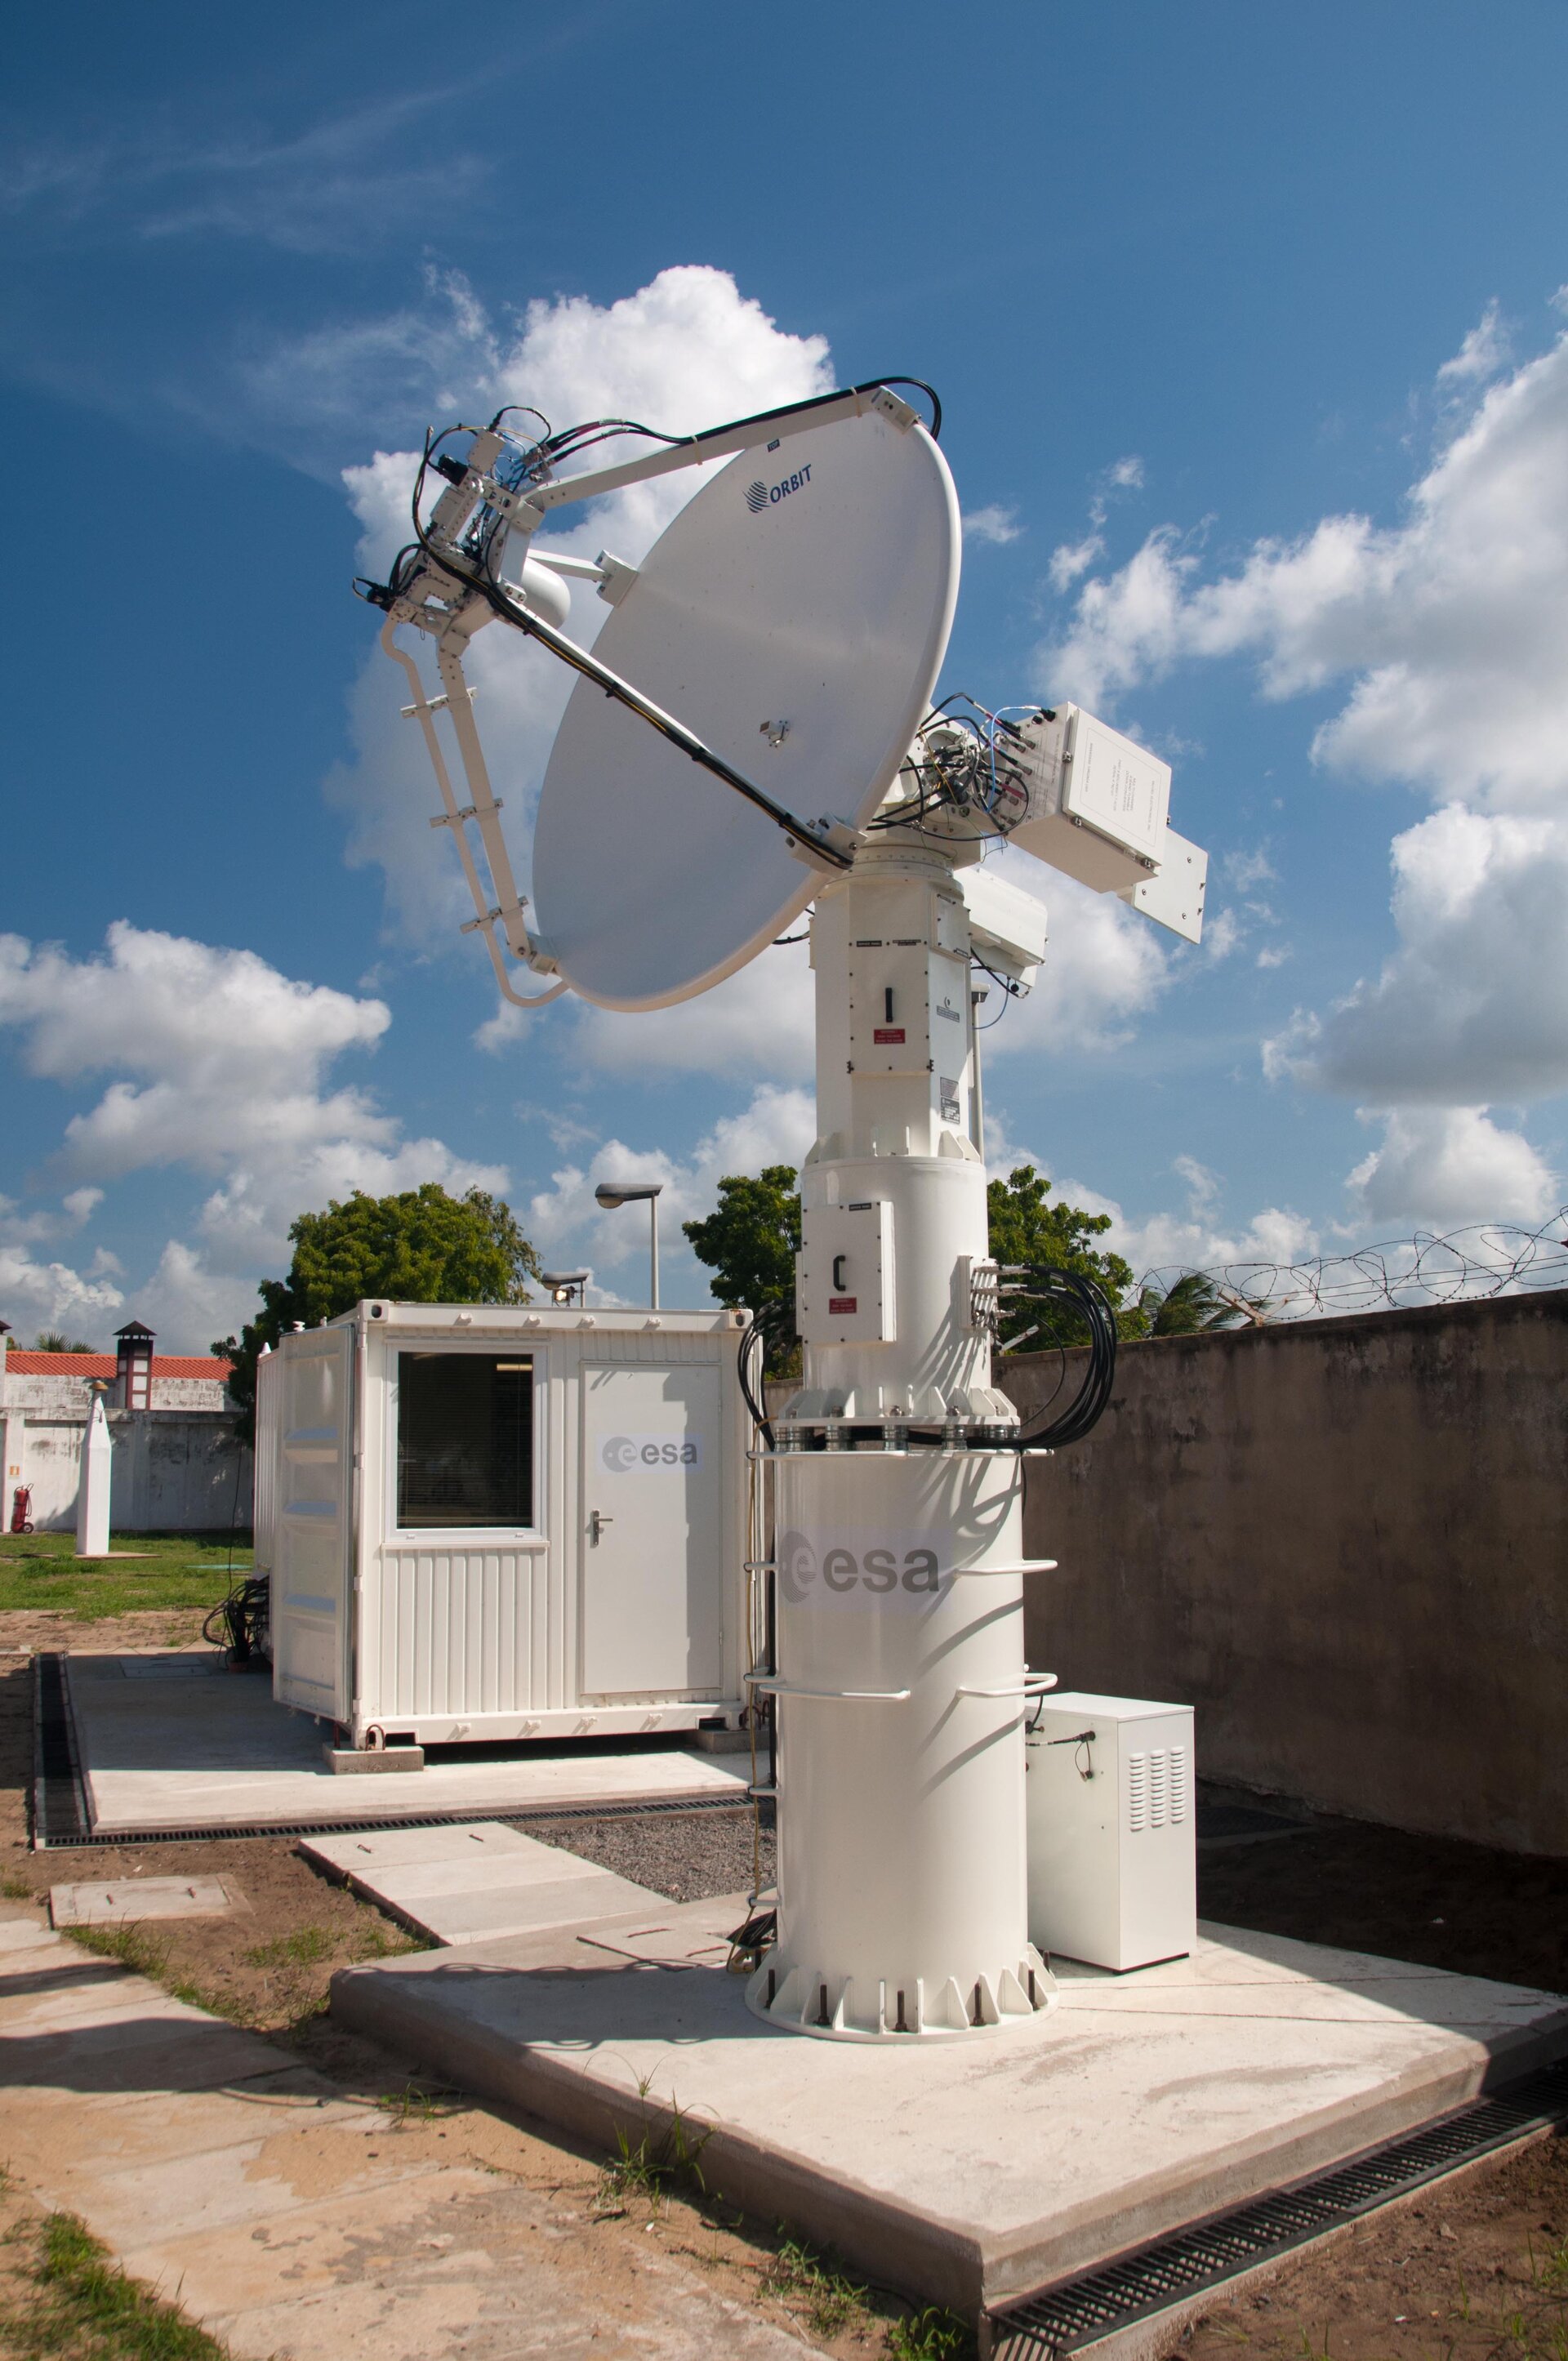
(464, 1439)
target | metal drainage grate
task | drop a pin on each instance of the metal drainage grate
(59, 1807)
(1150, 2281)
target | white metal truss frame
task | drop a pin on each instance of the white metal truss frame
(449, 607)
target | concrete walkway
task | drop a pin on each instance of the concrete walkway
(296, 2221)
(470, 1883)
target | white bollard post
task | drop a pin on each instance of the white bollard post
(92, 1493)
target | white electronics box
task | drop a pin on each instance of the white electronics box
(1112, 1853)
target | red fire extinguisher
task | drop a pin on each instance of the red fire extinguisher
(21, 1508)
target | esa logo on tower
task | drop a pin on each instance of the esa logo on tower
(901, 1568)
(621, 1455)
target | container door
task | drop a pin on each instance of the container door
(653, 1584)
(312, 1389)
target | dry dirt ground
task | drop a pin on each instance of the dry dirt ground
(22, 1630)
(1477, 2270)
(1478, 2267)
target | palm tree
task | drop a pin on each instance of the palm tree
(55, 1340)
(1191, 1305)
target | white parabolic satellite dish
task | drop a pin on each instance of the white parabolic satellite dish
(795, 616)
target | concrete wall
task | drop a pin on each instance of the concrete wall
(1346, 1542)
(174, 1471)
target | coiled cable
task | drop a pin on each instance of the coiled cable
(1089, 1300)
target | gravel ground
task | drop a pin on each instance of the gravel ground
(686, 1856)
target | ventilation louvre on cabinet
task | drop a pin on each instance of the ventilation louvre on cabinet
(1137, 1794)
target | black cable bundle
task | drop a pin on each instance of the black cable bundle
(1093, 1306)
(239, 1622)
(752, 1366)
(751, 1370)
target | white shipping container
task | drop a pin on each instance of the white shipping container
(502, 1522)
(1112, 1829)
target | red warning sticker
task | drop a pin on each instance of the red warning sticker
(843, 1303)
(887, 1033)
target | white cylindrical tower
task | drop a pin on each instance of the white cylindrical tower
(899, 1681)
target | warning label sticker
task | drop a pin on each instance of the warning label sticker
(843, 1303)
(885, 1034)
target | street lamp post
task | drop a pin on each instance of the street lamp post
(611, 1194)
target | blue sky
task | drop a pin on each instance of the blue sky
(1244, 322)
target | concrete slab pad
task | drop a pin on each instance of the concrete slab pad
(132, 1898)
(362, 1854)
(145, 2042)
(55, 2142)
(452, 2301)
(482, 1918)
(294, 2221)
(165, 1750)
(470, 1884)
(260, 2180)
(224, 2274)
(22, 1935)
(367, 1762)
(969, 2172)
(466, 2263)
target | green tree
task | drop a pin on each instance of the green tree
(1190, 1306)
(750, 1243)
(1025, 1230)
(55, 1340)
(423, 1247)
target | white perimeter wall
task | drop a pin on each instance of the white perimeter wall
(175, 1471)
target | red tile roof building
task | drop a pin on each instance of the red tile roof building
(23, 1364)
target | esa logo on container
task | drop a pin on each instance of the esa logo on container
(902, 1568)
(624, 1454)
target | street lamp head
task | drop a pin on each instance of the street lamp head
(611, 1194)
(565, 1286)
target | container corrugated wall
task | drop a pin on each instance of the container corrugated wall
(457, 1631)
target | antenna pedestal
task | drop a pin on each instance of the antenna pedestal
(900, 1686)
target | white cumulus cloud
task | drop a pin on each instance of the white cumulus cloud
(1070, 559)
(1444, 632)
(566, 1223)
(994, 524)
(1448, 1166)
(1104, 968)
(1473, 1005)
(217, 1063)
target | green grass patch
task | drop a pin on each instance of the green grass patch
(416, 2103)
(931, 2335)
(646, 2168)
(130, 1941)
(41, 1572)
(810, 2287)
(306, 1947)
(82, 2307)
(146, 1952)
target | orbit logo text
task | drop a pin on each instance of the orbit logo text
(761, 496)
(869, 1568)
(627, 1454)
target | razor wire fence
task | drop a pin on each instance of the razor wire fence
(1468, 1265)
